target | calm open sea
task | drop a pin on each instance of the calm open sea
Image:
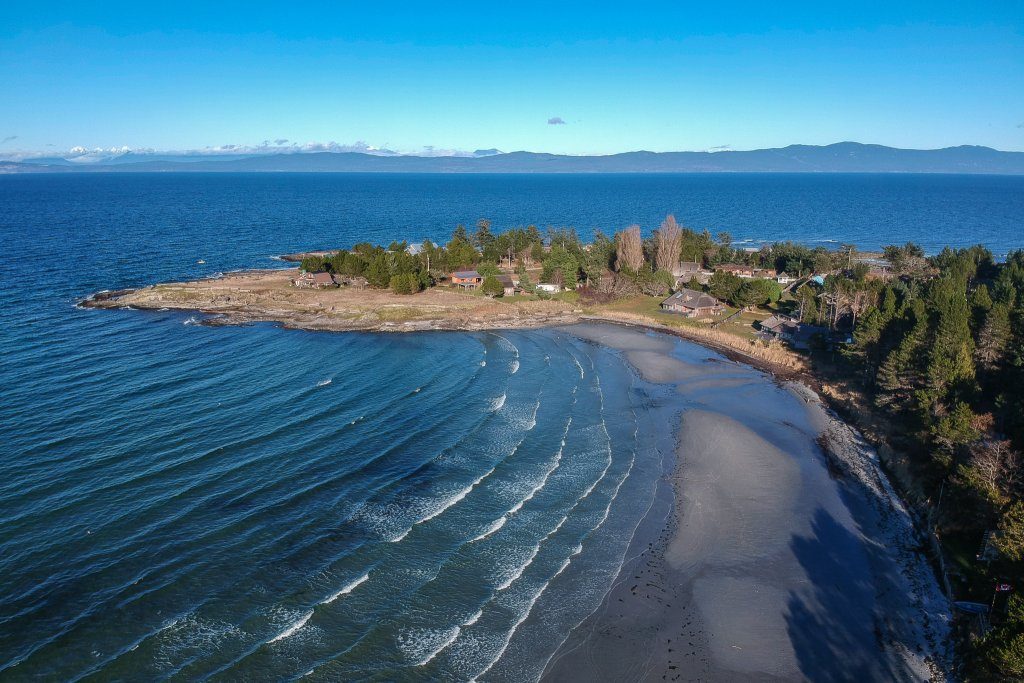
(187, 501)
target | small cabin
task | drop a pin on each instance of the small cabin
(508, 283)
(467, 279)
(314, 280)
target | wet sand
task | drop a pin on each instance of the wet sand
(765, 558)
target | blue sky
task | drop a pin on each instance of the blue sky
(640, 75)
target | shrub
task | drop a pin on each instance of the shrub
(407, 283)
(492, 286)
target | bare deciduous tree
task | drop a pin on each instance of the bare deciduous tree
(629, 249)
(995, 467)
(668, 242)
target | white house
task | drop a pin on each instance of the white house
(785, 278)
(549, 288)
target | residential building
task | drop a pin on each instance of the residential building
(467, 279)
(784, 328)
(314, 280)
(785, 278)
(692, 304)
(509, 284)
(737, 269)
(779, 327)
(744, 271)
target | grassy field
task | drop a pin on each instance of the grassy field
(650, 306)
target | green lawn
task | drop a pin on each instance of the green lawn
(570, 297)
(650, 306)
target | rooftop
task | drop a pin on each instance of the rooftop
(692, 299)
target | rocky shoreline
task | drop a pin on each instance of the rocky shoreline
(267, 296)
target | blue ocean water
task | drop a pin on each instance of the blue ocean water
(183, 501)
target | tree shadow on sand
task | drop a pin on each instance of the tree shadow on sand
(833, 623)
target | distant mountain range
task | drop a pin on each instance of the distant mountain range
(842, 157)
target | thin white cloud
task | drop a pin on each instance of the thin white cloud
(556, 121)
(83, 154)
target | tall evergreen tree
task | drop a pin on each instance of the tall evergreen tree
(993, 338)
(900, 374)
(950, 359)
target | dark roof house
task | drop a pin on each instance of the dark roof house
(692, 304)
(784, 328)
(779, 327)
(314, 280)
(508, 283)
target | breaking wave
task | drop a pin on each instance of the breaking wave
(345, 590)
(293, 628)
(491, 528)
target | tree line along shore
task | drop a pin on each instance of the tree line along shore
(924, 354)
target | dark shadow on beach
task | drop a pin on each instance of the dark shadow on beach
(832, 624)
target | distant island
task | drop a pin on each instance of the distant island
(842, 157)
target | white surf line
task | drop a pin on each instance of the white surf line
(544, 480)
(515, 349)
(568, 560)
(454, 500)
(615, 495)
(519, 571)
(295, 626)
(565, 564)
(514, 365)
(399, 537)
(511, 632)
(622, 563)
(536, 549)
(455, 635)
(533, 420)
(99, 666)
(345, 590)
(491, 528)
(448, 641)
(580, 367)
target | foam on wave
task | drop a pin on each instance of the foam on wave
(346, 589)
(293, 628)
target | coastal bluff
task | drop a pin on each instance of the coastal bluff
(268, 296)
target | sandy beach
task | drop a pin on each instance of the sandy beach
(771, 560)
